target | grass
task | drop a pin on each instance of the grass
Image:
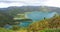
(50, 30)
(25, 30)
(5, 30)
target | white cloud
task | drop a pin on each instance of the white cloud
(4, 5)
(18, 3)
(55, 3)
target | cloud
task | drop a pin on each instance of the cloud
(4, 5)
(7, 3)
(55, 3)
(23, 1)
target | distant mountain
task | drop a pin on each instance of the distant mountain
(13, 10)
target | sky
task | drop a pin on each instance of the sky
(8, 3)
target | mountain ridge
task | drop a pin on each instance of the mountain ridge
(15, 9)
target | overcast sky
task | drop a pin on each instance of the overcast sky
(7, 3)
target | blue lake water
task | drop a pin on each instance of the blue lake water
(40, 15)
(24, 24)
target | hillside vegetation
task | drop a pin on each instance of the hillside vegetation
(53, 23)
